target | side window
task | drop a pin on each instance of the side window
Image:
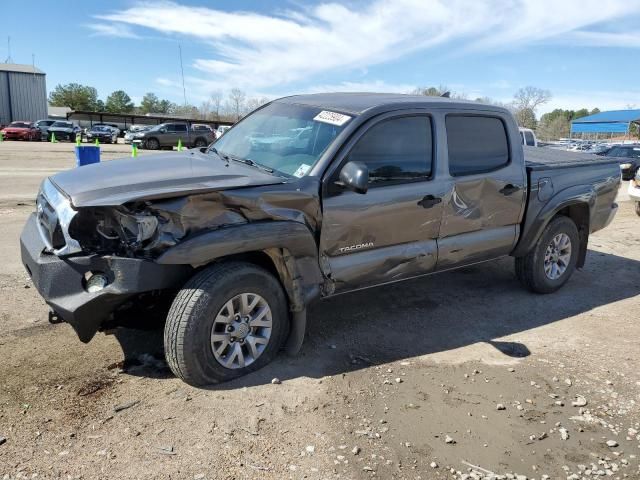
(476, 144)
(529, 137)
(522, 138)
(179, 127)
(170, 127)
(396, 150)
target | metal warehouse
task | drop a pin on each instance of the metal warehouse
(23, 93)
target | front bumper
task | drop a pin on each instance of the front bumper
(16, 136)
(63, 135)
(61, 281)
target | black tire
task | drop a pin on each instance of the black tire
(190, 321)
(200, 142)
(530, 268)
(152, 143)
(638, 208)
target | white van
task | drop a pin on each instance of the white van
(528, 137)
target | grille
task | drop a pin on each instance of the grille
(48, 219)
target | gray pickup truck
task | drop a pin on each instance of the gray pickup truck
(308, 197)
(167, 135)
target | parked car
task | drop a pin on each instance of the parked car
(221, 130)
(103, 133)
(248, 238)
(528, 137)
(64, 131)
(135, 131)
(634, 191)
(21, 131)
(628, 157)
(43, 126)
(110, 125)
(166, 135)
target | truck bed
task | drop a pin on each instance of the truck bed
(539, 158)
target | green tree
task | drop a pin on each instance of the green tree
(119, 102)
(594, 111)
(152, 104)
(74, 96)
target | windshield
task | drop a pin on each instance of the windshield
(100, 129)
(19, 125)
(62, 124)
(286, 138)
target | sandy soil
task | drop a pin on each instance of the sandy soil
(386, 377)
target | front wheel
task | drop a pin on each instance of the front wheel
(228, 320)
(152, 144)
(552, 260)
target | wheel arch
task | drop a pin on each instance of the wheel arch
(286, 249)
(576, 203)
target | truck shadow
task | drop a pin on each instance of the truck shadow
(425, 316)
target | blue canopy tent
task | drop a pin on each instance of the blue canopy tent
(611, 122)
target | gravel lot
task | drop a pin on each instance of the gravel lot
(425, 379)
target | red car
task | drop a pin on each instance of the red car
(21, 131)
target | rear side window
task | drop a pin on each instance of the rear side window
(396, 151)
(476, 144)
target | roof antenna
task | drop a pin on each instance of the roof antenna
(9, 59)
(446, 94)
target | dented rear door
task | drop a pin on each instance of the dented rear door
(483, 210)
(390, 232)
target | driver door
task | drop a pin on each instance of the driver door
(390, 232)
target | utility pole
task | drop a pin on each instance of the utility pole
(184, 90)
(9, 59)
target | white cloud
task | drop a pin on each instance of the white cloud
(261, 52)
(604, 100)
(112, 30)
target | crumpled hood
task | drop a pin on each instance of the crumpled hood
(151, 177)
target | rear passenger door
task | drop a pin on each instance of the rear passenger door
(482, 213)
(390, 232)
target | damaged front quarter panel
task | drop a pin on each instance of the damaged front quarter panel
(281, 222)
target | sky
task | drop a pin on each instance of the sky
(586, 52)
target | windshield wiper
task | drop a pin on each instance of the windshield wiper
(248, 161)
(222, 155)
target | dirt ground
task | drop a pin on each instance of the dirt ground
(451, 376)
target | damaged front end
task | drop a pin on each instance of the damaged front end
(93, 263)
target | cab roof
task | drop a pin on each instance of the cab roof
(357, 103)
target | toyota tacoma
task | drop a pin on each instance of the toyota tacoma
(309, 196)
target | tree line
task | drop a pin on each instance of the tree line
(219, 106)
(234, 104)
(524, 105)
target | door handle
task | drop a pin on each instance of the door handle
(429, 201)
(509, 189)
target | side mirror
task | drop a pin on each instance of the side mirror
(354, 176)
(203, 149)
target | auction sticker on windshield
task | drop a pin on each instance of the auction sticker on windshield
(332, 118)
(302, 170)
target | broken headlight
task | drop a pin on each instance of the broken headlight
(113, 230)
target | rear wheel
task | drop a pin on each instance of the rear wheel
(228, 320)
(551, 262)
(200, 142)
